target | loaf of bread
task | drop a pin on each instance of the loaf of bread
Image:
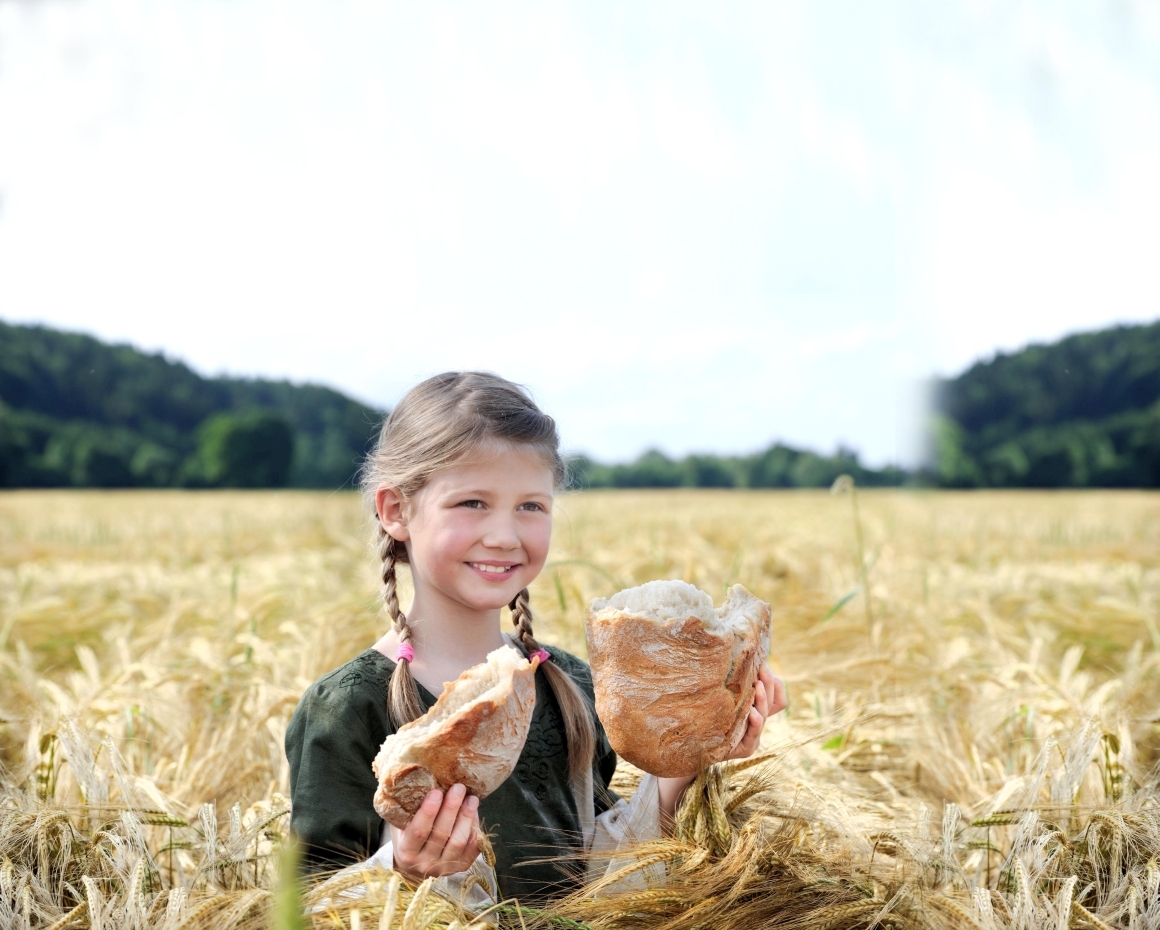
(473, 736)
(675, 678)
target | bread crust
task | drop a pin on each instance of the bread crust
(674, 696)
(476, 746)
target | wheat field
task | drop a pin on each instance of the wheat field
(973, 744)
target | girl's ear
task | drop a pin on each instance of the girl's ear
(392, 511)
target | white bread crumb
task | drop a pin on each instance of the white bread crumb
(662, 601)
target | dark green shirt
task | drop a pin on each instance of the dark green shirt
(337, 729)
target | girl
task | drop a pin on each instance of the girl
(462, 483)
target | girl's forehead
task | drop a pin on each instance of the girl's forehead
(501, 466)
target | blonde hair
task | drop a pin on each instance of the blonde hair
(437, 424)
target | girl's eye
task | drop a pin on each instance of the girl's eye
(473, 504)
(532, 505)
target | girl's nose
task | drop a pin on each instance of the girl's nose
(500, 533)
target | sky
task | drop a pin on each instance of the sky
(697, 227)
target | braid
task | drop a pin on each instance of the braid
(403, 701)
(578, 731)
(521, 608)
(389, 553)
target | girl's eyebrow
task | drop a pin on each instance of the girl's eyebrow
(469, 492)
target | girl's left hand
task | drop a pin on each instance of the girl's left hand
(769, 699)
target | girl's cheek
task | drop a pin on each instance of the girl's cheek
(538, 542)
(454, 542)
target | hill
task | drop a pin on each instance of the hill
(1081, 412)
(75, 411)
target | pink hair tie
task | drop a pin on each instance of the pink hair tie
(542, 655)
(405, 651)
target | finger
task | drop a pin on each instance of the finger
(414, 835)
(780, 700)
(471, 853)
(751, 736)
(465, 826)
(445, 821)
(761, 699)
(462, 846)
(756, 725)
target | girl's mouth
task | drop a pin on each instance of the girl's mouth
(493, 571)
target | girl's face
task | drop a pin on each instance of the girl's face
(478, 532)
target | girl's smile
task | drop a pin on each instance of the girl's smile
(495, 570)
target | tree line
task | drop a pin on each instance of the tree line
(77, 412)
(779, 466)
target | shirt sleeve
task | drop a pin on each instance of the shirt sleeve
(332, 786)
(604, 798)
(617, 836)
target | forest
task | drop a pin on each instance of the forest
(1080, 412)
(77, 412)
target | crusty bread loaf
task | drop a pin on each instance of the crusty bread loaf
(473, 736)
(675, 678)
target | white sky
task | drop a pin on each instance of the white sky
(701, 227)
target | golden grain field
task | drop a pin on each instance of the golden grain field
(974, 745)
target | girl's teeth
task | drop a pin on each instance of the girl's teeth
(491, 568)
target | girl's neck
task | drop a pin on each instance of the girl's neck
(447, 638)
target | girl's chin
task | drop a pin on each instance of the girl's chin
(493, 599)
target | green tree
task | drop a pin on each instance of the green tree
(954, 467)
(709, 471)
(96, 465)
(249, 450)
(773, 468)
(654, 469)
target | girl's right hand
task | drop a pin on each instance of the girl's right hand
(441, 839)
